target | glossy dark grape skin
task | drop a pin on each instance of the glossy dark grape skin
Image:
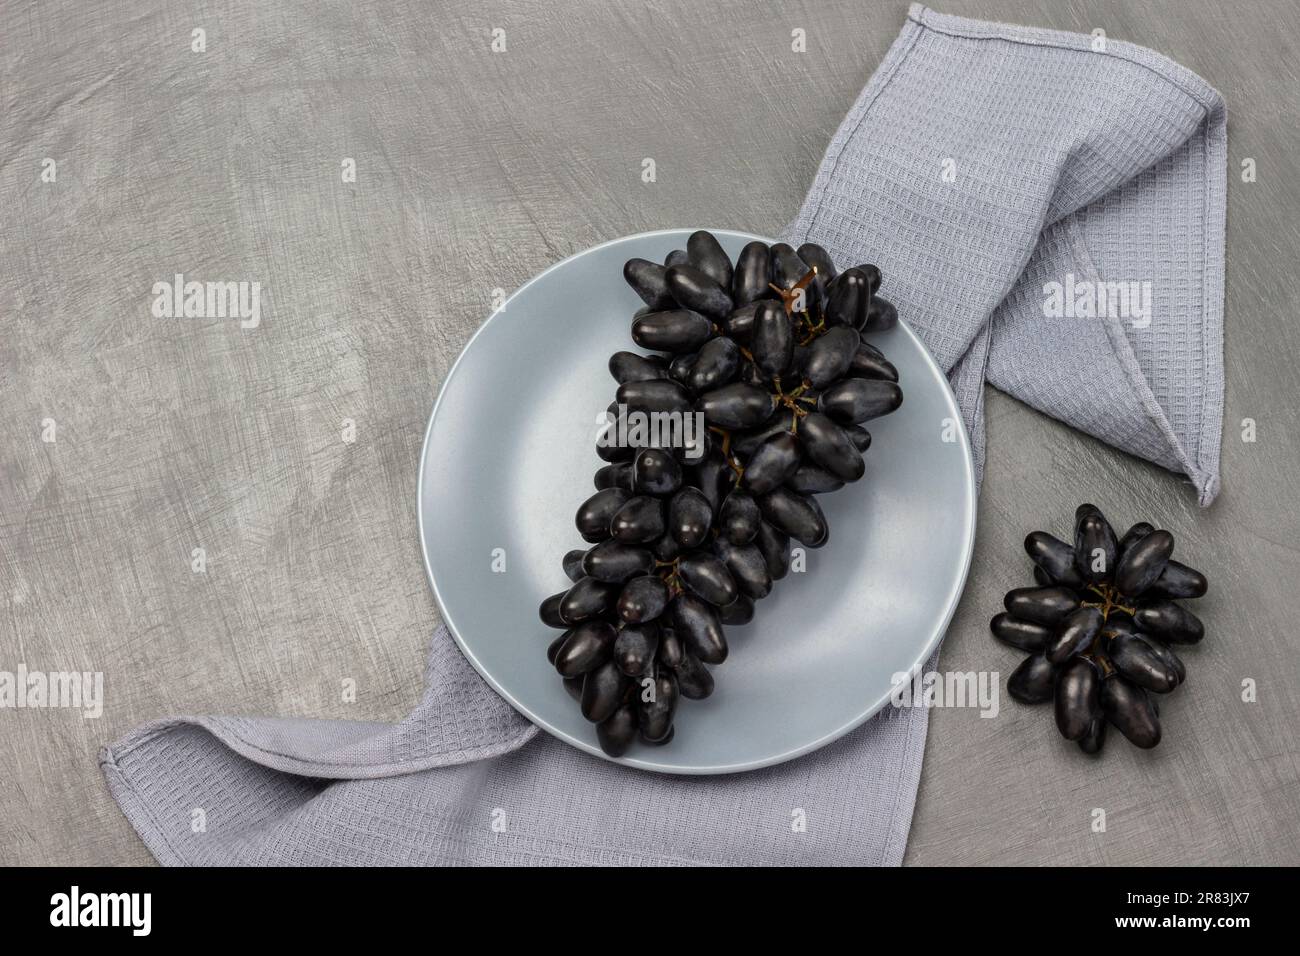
(642, 598)
(747, 566)
(655, 472)
(679, 369)
(848, 298)
(772, 464)
(655, 716)
(1075, 634)
(745, 443)
(553, 650)
(694, 682)
(585, 648)
(659, 395)
(752, 274)
(738, 612)
(678, 257)
(715, 366)
(860, 436)
(1130, 709)
(867, 362)
(635, 647)
(786, 268)
(602, 691)
(614, 453)
(573, 565)
(676, 330)
(772, 343)
(588, 599)
(689, 517)
(831, 356)
(639, 520)
(707, 577)
(1033, 681)
(630, 367)
(856, 400)
(1077, 697)
(1178, 581)
(1169, 622)
(1171, 660)
(713, 478)
(1143, 562)
(739, 325)
(695, 290)
(739, 518)
(661, 741)
(1094, 545)
(1140, 663)
(649, 280)
(881, 315)
(573, 687)
(666, 548)
(1133, 535)
(736, 406)
(696, 623)
(810, 479)
(612, 561)
(826, 444)
(1055, 557)
(799, 516)
(1041, 605)
(775, 548)
(705, 253)
(818, 258)
(1092, 741)
(1025, 635)
(549, 611)
(615, 475)
(596, 512)
(617, 732)
(671, 650)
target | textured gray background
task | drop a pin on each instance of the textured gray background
(177, 434)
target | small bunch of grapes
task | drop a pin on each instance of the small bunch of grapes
(1098, 628)
(684, 538)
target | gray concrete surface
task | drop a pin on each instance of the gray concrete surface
(175, 435)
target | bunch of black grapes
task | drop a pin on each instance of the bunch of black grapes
(682, 540)
(1098, 628)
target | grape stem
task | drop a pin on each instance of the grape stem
(1110, 601)
(1110, 598)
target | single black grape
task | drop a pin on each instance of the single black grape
(696, 290)
(635, 648)
(752, 274)
(736, 406)
(585, 648)
(650, 281)
(642, 599)
(706, 254)
(857, 400)
(676, 330)
(1078, 701)
(696, 622)
(630, 367)
(655, 472)
(797, 515)
(613, 561)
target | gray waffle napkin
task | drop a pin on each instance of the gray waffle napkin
(981, 164)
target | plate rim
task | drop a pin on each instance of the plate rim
(970, 490)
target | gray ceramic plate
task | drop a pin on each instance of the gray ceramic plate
(509, 456)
